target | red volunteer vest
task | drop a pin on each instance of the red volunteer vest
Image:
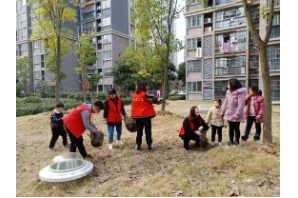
(141, 107)
(74, 121)
(114, 113)
(182, 131)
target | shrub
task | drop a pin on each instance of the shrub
(100, 95)
(127, 101)
(121, 95)
(182, 96)
(176, 98)
(32, 99)
(51, 95)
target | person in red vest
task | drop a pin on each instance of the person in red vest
(78, 121)
(113, 111)
(143, 111)
(193, 127)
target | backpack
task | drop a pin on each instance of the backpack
(182, 131)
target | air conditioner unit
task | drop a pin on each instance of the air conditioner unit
(199, 52)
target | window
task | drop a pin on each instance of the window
(36, 59)
(195, 65)
(107, 55)
(219, 2)
(50, 76)
(194, 43)
(24, 2)
(194, 86)
(275, 31)
(254, 82)
(230, 42)
(194, 21)
(254, 64)
(88, 9)
(88, 15)
(24, 47)
(220, 88)
(24, 33)
(276, 2)
(273, 56)
(106, 38)
(37, 74)
(23, 17)
(88, 26)
(230, 66)
(230, 18)
(107, 88)
(107, 72)
(36, 44)
(106, 4)
(275, 88)
(106, 21)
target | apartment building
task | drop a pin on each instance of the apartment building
(219, 46)
(115, 31)
(36, 51)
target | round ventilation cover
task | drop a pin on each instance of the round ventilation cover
(66, 167)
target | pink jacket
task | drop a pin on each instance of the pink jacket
(258, 106)
(234, 105)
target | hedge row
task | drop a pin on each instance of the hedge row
(176, 97)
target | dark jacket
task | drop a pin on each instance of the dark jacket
(57, 122)
(190, 132)
(106, 111)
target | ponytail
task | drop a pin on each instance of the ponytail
(260, 92)
(256, 90)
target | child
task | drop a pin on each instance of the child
(254, 112)
(193, 128)
(113, 108)
(57, 127)
(233, 109)
(216, 122)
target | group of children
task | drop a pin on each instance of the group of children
(231, 113)
(194, 126)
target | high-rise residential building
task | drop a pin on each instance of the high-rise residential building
(219, 46)
(115, 31)
(36, 51)
(174, 55)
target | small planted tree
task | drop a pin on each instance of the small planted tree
(182, 72)
(48, 18)
(85, 53)
(23, 73)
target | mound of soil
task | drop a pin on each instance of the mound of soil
(164, 113)
(272, 149)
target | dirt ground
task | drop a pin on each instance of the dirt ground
(252, 169)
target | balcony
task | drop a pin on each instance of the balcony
(220, 2)
(254, 65)
(230, 66)
(231, 42)
(276, 2)
(230, 18)
(85, 3)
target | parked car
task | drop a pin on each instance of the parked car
(181, 92)
(173, 92)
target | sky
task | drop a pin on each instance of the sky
(180, 31)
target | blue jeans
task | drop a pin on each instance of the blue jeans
(111, 133)
(250, 121)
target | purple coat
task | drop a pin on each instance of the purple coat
(258, 106)
(234, 105)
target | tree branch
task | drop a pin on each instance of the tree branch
(271, 14)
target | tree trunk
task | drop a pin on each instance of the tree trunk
(57, 88)
(84, 87)
(164, 92)
(136, 82)
(267, 133)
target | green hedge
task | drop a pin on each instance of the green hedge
(127, 101)
(176, 97)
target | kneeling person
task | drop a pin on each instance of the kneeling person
(113, 111)
(78, 121)
(194, 128)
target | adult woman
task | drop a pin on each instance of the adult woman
(194, 127)
(143, 111)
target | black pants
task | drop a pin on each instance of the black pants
(250, 121)
(219, 132)
(141, 123)
(187, 137)
(77, 142)
(55, 136)
(234, 128)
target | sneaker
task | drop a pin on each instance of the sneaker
(52, 149)
(236, 143)
(219, 144)
(230, 143)
(243, 138)
(138, 148)
(119, 142)
(88, 156)
(212, 143)
(67, 145)
(256, 138)
(184, 149)
(150, 148)
(110, 146)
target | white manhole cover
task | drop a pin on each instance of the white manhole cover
(66, 167)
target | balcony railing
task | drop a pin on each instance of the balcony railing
(219, 2)
(229, 71)
(230, 47)
(231, 22)
(276, 2)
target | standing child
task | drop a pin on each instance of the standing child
(254, 112)
(113, 108)
(233, 109)
(57, 127)
(216, 122)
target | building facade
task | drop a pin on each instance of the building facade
(219, 46)
(36, 51)
(115, 31)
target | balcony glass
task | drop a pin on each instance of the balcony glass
(230, 66)
(230, 18)
(231, 42)
(254, 64)
(273, 56)
(219, 2)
